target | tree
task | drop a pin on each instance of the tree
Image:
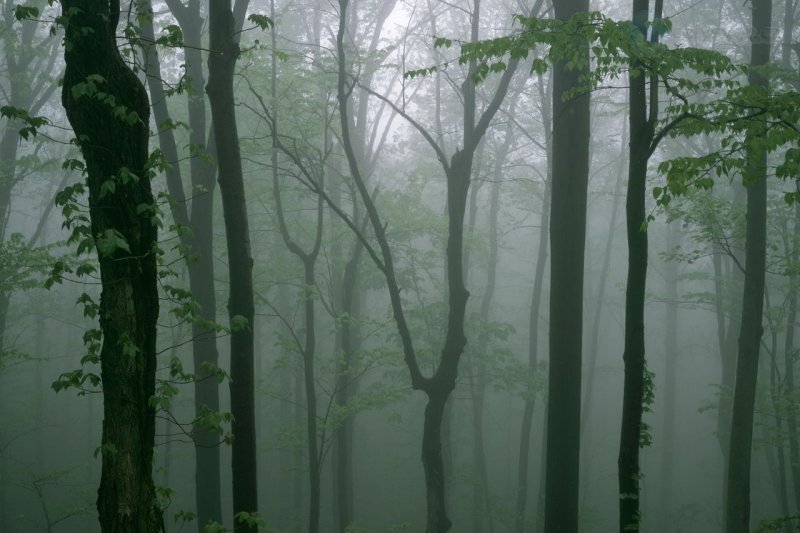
(29, 61)
(458, 172)
(224, 47)
(195, 218)
(107, 107)
(567, 239)
(737, 497)
(637, 390)
(533, 328)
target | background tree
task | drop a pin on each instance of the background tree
(195, 216)
(737, 500)
(224, 45)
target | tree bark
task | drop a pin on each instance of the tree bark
(737, 501)
(117, 149)
(241, 308)
(567, 241)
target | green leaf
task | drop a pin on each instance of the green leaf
(262, 21)
(26, 12)
(173, 37)
(110, 242)
(239, 323)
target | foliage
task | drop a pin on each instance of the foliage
(619, 48)
(779, 524)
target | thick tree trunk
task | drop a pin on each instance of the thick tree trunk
(567, 241)
(129, 299)
(241, 308)
(737, 502)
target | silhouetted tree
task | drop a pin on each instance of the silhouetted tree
(224, 51)
(107, 107)
(567, 240)
(737, 497)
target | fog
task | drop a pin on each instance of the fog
(394, 209)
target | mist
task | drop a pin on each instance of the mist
(377, 266)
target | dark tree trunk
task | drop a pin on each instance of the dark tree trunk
(737, 501)
(129, 299)
(224, 50)
(567, 241)
(641, 136)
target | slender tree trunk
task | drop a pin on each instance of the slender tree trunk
(737, 502)
(670, 378)
(458, 169)
(533, 324)
(792, 251)
(788, 360)
(221, 64)
(198, 242)
(346, 345)
(601, 290)
(567, 241)
(311, 398)
(481, 496)
(727, 349)
(129, 299)
(641, 134)
(776, 452)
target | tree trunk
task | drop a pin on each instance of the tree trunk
(346, 343)
(221, 64)
(788, 360)
(792, 251)
(670, 377)
(533, 323)
(117, 150)
(591, 364)
(198, 243)
(641, 135)
(311, 398)
(737, 501)
(567, 241)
